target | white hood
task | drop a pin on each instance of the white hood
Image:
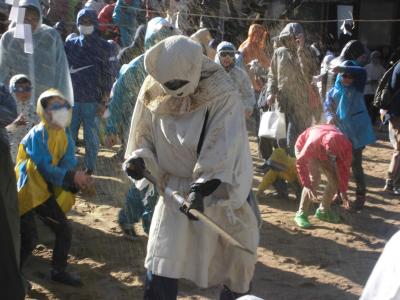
(175, 58)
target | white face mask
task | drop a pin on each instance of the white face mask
(61, 117)
(86, 30)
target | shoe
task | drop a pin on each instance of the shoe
(301, 220)
(389, 187)
(129, 232)
(66, 278)
(327, 216)
(337, 200)
(359, 203)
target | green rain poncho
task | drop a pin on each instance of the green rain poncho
(47, 67)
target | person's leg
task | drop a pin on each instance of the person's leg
(301, 217)
(160, 288)
(75, 121)
(51, 214)
(91, 134)
(394, 166)
(132, 211)
(324, 212)
(28, 236)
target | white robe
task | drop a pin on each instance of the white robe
(165, 132)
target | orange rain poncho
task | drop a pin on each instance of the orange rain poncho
(254, 47)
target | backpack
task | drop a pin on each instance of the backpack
(384, 94)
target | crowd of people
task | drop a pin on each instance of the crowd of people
(181, 103)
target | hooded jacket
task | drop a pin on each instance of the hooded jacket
(131, 78)
(45, 163)
(46, 68)
(90, 62)
(346, 106)
(316, 143)
(240, 78)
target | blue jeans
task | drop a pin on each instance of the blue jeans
(86, 114)
(138, 205)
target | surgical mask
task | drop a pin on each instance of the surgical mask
(61, 117)
(86, 30)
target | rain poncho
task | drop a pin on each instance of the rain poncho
(8, 112)
(254, 47)
(127, 54)
(130, 80)
(125, 16)
(240, 78)
(46, 68)
(346, 106)
(44, 157)
(17, 132)
(165, 132)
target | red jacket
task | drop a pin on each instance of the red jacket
(315, 143)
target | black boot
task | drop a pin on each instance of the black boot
(66, 278)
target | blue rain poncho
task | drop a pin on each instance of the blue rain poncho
(47, 67)
(130, 80)
(125, 16)
(346, 105)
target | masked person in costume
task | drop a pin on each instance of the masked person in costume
(47, 181)
(188, 129)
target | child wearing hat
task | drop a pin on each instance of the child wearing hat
(47, 181)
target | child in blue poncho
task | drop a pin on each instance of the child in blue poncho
(345, 107)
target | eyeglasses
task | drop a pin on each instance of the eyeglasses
(175, 84)
(56, 106)
(225, 54)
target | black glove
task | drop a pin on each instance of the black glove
(197, 193)
(135, 168)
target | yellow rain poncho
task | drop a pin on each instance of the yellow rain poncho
(45, 155)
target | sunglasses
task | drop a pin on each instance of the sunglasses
(57, 106)
(22, 89)
(176, 84)
(225, 54)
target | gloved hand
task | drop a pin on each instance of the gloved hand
(196, 201)
(196, 196)
(135, 168)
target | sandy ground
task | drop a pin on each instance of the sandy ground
(329, 261)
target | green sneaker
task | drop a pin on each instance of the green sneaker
(327, 216)
(301, 220)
